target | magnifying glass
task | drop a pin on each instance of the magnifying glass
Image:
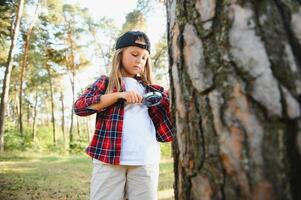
(152, 99)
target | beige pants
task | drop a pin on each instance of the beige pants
(120, 182)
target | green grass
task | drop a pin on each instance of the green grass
(26, 176)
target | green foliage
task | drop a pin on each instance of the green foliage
(78, 146)
(52, 10)
(135, 20)
(43, 141)
(6, 10)
(13, 140)
(166, 175)
(159, 59)
(166, 150)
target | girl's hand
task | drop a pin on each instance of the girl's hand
(131, 97)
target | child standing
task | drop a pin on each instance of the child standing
(125, 145)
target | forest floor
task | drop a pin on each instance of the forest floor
(27, 176)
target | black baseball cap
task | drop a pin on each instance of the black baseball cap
(129, 39)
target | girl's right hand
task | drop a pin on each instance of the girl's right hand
(131, 97)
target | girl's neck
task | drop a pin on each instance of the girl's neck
(124, 74)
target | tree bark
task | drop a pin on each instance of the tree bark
(8, 69)
(235, 71)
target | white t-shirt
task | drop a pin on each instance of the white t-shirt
(139, 144)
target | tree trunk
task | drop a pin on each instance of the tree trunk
(63, 116)
(71, 69)
(28, 113)
(34, 117)
(72, 114)
(78, 126)
(52, 103)
(23, 70)
(235, 83)
(7, 74)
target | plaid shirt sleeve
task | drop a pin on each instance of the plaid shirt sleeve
(161, 117)
(90, 96)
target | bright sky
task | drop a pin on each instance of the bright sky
(117, 10)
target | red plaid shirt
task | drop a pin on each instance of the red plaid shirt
(106, 142)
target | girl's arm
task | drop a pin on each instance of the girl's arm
(94, 99)
(106, 100)
(90, 96)
(109, 99)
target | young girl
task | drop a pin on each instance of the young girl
(125, 146)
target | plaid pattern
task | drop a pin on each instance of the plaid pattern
(106, 142)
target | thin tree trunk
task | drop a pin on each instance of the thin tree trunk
(28, 113)
(52, 104)
(23, 69)
(17, 109)
(63, 116)
(72, 115)
(71, 68)
(7, 74)
(235, 79)
(78, 126)
(34, 117)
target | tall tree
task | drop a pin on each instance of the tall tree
(34, 117)
(236, 79)
(73, 56)
(50, 81)
(23, 66)
(7, 74)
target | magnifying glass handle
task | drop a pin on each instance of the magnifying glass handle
(121, 100)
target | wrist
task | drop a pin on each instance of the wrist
(121, 95)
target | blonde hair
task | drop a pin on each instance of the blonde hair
(115, 75)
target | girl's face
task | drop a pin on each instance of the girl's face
(133, 61)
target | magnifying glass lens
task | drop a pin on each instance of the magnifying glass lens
(152, 99)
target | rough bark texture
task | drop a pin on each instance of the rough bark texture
(236, 83)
